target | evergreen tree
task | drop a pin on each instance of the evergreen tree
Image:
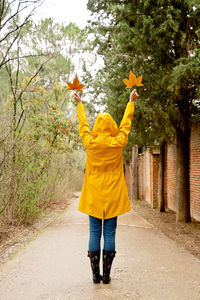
(161, 40)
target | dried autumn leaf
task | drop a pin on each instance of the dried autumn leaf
(133, 80)
(75, 85)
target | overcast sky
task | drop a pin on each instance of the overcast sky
(69, 11)
(65, 11)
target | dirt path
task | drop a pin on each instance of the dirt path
(55, 266)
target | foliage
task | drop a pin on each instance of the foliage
(48, 133)
(38, 131)
(159, 39)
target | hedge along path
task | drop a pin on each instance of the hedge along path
(54, 264)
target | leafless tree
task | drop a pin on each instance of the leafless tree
(14, 15)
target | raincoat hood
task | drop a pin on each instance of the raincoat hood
(105, 125)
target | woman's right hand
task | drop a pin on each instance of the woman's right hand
(133, 95)
(77, 98)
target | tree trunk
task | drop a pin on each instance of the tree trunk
(161, 200)
(182, 174)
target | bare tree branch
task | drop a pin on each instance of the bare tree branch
(24, 56)
(16, 28)
(5, 156)
(12, 16)
(24, 90)
(4, 139)
(19, 120)
(18, 64)
(2, 6)
(31, 79)
(8, 69)
(18, 11)
(24, 119)
(5, 205)
(8, 49)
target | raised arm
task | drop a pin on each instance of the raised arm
(84, 128)
(125, 126)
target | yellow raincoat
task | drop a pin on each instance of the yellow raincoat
(104, 193)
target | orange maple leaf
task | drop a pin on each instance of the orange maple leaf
(133, 80)
(75, 85)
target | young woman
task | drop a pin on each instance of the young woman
(104, 193)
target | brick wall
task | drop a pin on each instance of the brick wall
(170, 176)
(170, 173)
(134, 172)
(148, 166)
(155, 179)
(195, 171)
(165, 177)
(147, 181)
(140, 176)
(128, 179)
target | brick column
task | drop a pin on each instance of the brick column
(134, 172)
(195, 171)
(140, 177)
(147, 194)
(155, 179)
(171, 175)
(128, 178)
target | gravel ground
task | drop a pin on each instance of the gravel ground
(54, 264)
(186, 234)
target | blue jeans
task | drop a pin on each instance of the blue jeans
(109, 232)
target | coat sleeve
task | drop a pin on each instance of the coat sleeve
(84, 128)
(124, 129)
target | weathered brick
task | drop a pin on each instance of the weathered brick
(155, 179)
(195, 170)
(170, 176)
(148, 167)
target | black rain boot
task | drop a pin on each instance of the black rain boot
(108, 257)
(94, 261)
